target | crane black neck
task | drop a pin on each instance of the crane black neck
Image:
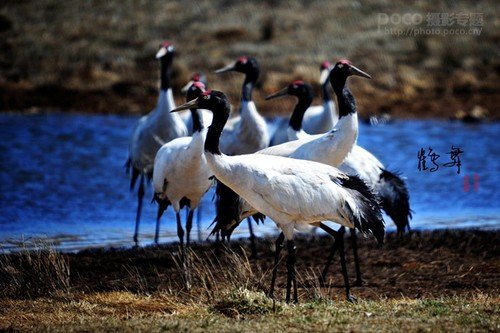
(220, 117)
(197, 121)
(165, 71)
(304, 102)
(345, 99)
(327, 97)
(248, 85)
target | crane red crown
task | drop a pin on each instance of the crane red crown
(165, 44)
(199, 85)
(242, 60)
(325, 64)
(345, 62)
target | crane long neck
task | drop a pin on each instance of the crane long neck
(215, 130)
(197, 120)
(298, 112)
(248, 85)
(165, 71)
(345, 99)
(327, 97)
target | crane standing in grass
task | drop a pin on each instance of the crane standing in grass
(153, 130)
(293, 193)
(388, 186)
(181, 175)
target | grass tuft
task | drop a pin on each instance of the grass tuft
(41, 271)
(242, 301)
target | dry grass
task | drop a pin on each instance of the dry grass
(439, 281)
(34, 272)
(242, 310)
(98, 55)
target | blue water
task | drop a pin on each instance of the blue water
(62, 179)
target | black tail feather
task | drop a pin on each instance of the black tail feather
(371, 220)
(162, 205)
(228, 211)
(259, 218)
(395, 199)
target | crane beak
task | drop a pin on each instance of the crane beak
(358, 72)
(323, 78)
(164, 50)
(226, 69)
(161, 52)
(189, 105)
(186, 87)
(279, 93)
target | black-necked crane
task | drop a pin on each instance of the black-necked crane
(329, 148)
(389, 187)
(305, 94)
(181, 175)
(317, 119)
(153, 130)
(293, 193)
(247, 132)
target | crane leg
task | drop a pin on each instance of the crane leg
(157, 230)
(128, 165)
(140, 196)
(322, 279)
(279, 247)
(252, 240)
(339, 239)
(359, 280)
(291, 278)
(198, 222)
(180, 234)
(133, 179)
(189, 226)
(218, 243)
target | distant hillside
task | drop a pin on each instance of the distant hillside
(98, 56)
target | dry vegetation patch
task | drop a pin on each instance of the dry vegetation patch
(442, 280)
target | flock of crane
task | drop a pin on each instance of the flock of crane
(313, 171)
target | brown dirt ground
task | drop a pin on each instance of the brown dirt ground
(429, 264)
(443, 281)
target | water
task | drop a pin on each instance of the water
(62, 179)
